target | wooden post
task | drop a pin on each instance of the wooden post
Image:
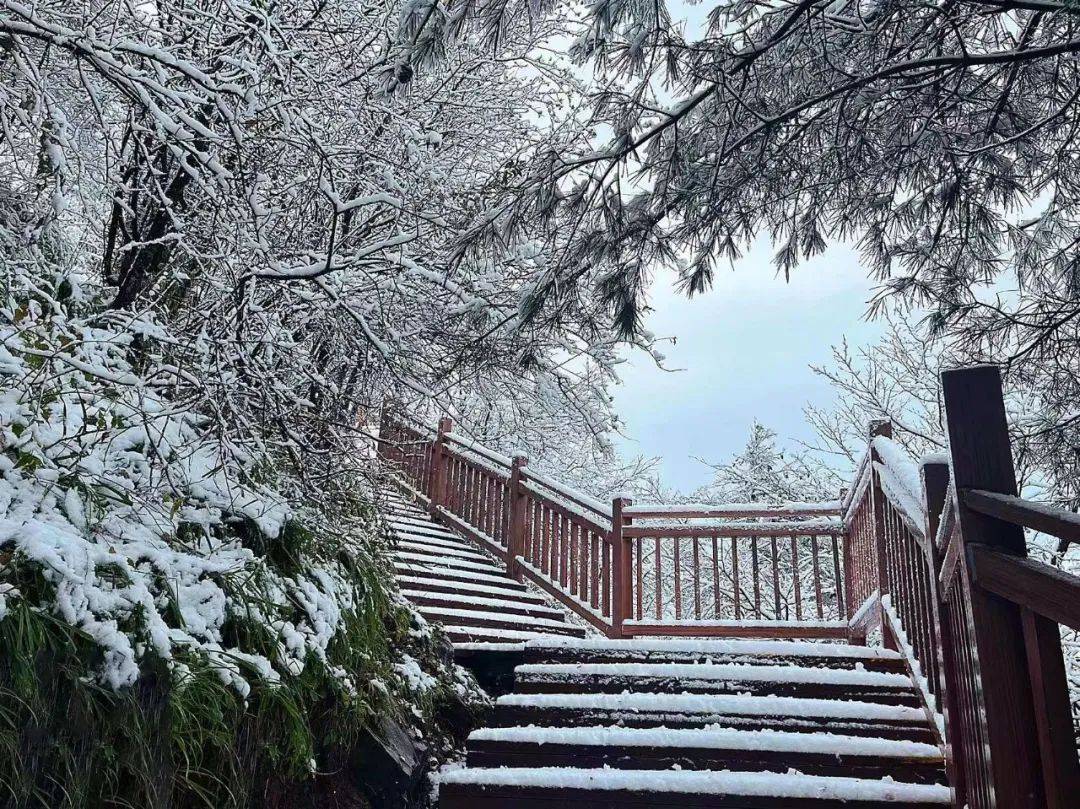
(881, 427)
(622, 568)
(437, 474)
(515, 541)
(982, 459)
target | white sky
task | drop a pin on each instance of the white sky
(745, 347)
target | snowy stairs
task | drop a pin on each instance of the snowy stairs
(451, 582)
(595, 723)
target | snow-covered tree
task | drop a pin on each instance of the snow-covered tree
(764, 473)
(228, 231)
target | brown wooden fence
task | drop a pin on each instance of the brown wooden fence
(737, 571)
(930, 557)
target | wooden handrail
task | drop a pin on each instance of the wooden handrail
(736, 529)
(1040, 517)
(734, 511)
(589, 555)
(1043, 589)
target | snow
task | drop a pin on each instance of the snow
(712, 737)
(488, 454)
(576, 498)
(720, 647)
(454, 562)
(432, 568)
(721, 672)
(491, 632)
(723, 704)
(441, 551)
(750, 623)
(440, 613)
(808, 527)
(417, 679)
(480, 601)
(789, 509)
(916, 666)
(724, 782)
(433, 542)
(901, 482)
(489, 646)
(507, 591)
(100, 472)
(865, 607)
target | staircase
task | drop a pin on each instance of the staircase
(451, 582)
(608, 723)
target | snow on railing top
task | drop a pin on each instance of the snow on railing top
(901, 482)
(591, 503)
(808, 527)
(733, 510)
(860, 481)
(480, 449)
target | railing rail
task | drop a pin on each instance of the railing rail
(932, 557)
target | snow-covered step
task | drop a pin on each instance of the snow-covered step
(402, 507)
(478, 602)
(498, 620)
(443, 552)
(418, 528)
(436, 540)
(436, 572)
(474, 635)
(409, 555)
(467, 589)
(791, 714)
(661, 650)
(547, 787)
(774, 680)
(705, 748)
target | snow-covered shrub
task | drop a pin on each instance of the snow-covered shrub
(141, 549)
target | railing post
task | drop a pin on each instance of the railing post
(882, 427)
(1018, 726)
(437, 474)
(935, 485)
(849, 608)
(515, 540)
(621, 563)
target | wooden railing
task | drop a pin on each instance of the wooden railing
(942, 570)
(930, 558)
(738, 570)
(733, 571)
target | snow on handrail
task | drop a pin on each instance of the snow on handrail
(819, 526)
(901, 482)
(580, 498)
(479, 449)
(862, 475)
(733, 510)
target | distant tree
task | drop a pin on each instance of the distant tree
(764, 473)
(897, 378)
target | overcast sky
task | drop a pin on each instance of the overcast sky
(744, 348)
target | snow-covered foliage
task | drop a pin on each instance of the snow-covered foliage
(289, 189)
(149, 534)
(228, 231)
